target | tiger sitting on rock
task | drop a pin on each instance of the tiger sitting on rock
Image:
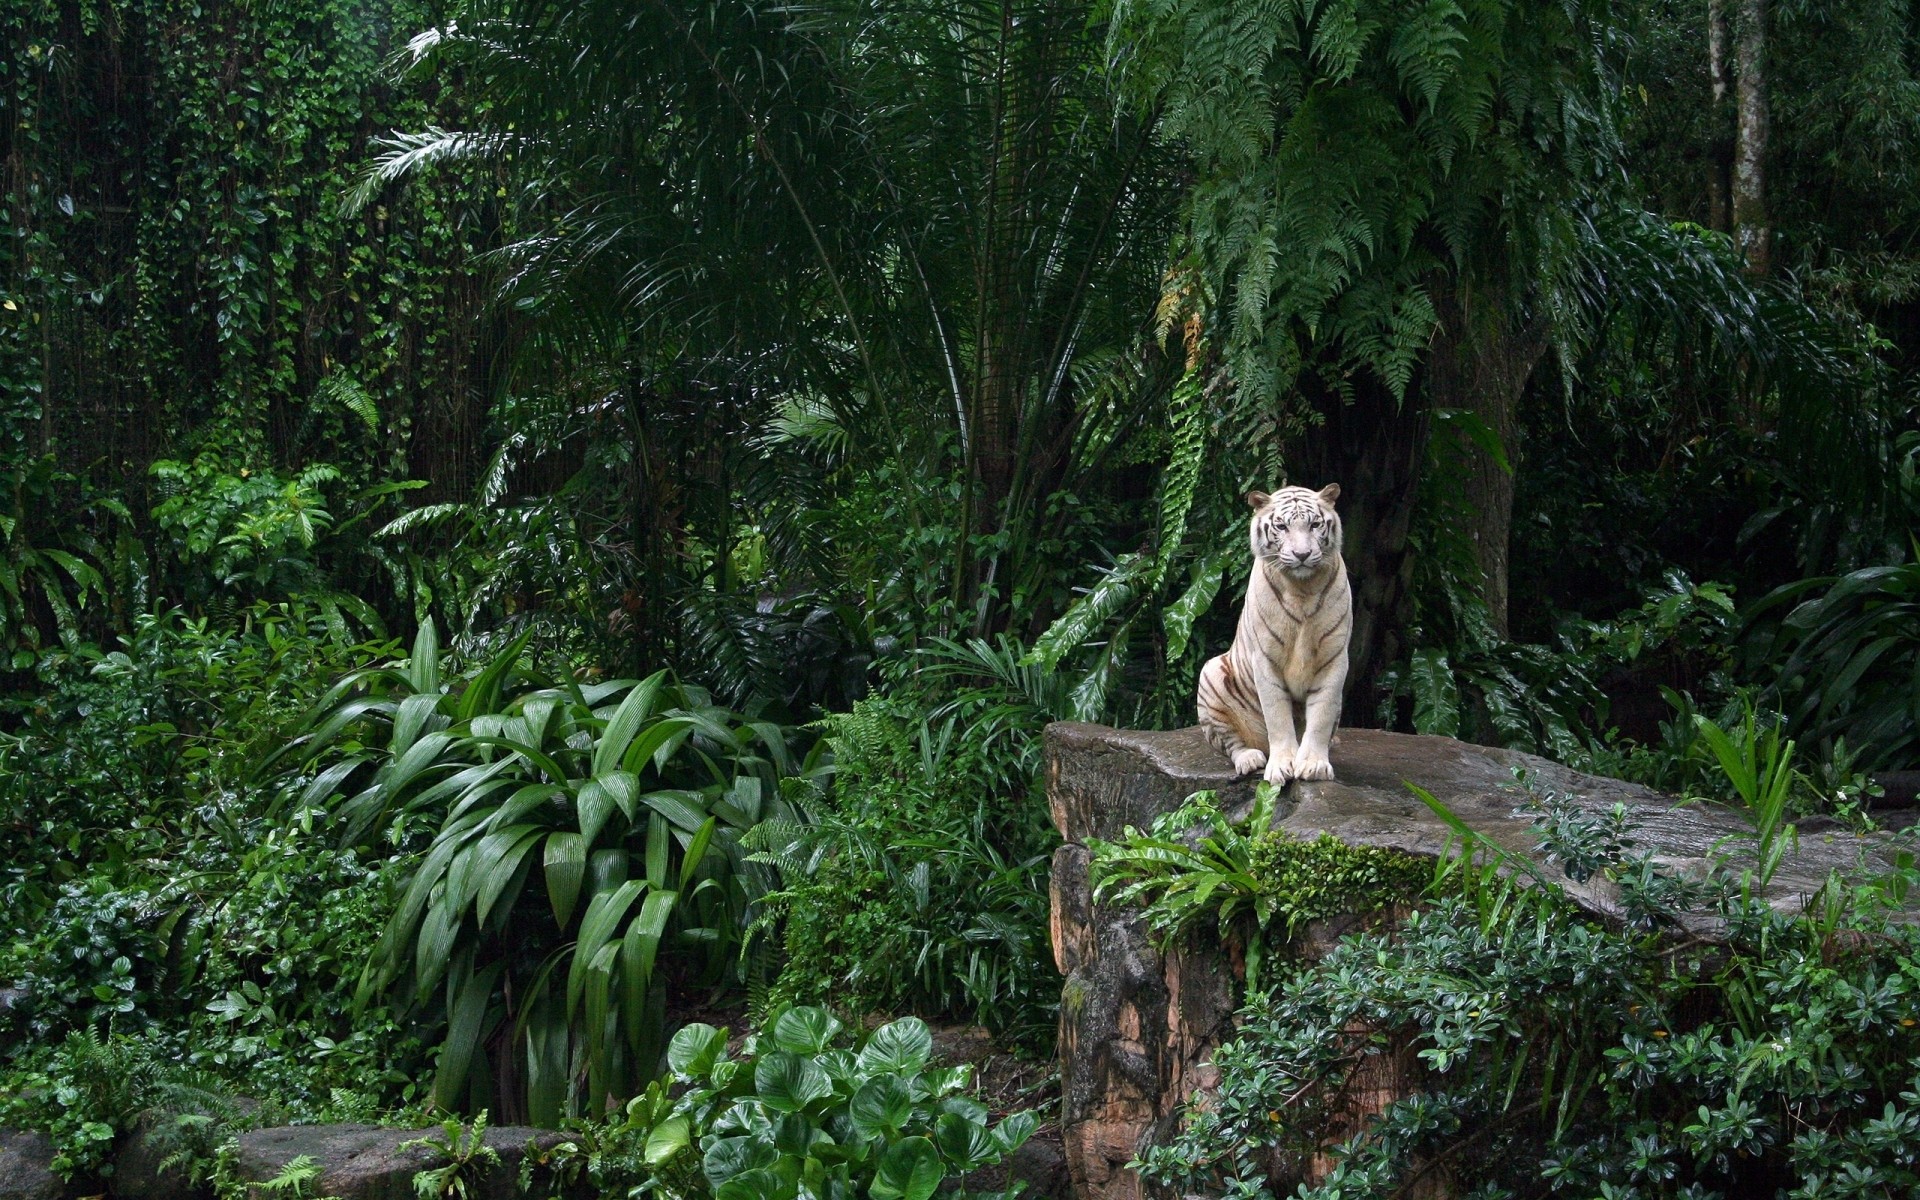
(1291, 645)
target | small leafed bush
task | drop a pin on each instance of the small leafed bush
(804, 1112)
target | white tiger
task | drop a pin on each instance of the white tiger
(1291, 646)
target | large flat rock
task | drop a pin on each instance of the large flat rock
(1137, 1026)
(366, 1162)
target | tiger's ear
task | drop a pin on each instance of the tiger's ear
(1330, 493)
(1257, 499)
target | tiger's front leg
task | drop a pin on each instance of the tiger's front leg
(1276, 708)
(1312, 759)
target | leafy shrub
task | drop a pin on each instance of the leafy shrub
(1549, 699)
(1544, 1053)
(798, 1116)
(95, 1089)
(125, 754)
(1844, 661)
(584, 857)
(917, 882)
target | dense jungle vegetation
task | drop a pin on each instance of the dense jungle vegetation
(535, 534)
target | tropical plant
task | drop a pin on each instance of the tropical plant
(1844, 660)
(798, 1115)
(1254, 885)
(1599, 1061)
(583, 854)
(916, 882)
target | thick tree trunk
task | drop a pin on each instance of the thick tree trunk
(1750, 149)
(1374, 449)
(1480, 364)
(1720, 147)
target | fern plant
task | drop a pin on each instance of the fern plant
(583, 854)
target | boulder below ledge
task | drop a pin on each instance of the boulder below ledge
(1137, 1026)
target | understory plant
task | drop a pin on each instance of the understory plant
(914, 879)
(578, 860)
(1250, 882)
(1530, 1049)
(804, 1113)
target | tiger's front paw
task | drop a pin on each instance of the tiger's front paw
(1279, 770)
(1311, 764)
(1247, 761)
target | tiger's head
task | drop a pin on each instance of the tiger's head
(1296, 529)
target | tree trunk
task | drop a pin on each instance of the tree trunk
(1719, 146)
(1750, 148)
(1374, 449)
(1480, 364)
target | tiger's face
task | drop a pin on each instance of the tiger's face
(1296, 529)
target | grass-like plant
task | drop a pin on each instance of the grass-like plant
(583, 850)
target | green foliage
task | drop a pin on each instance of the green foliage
(1351, 157)
(1252, 883)
(467, 1155)
(1844, 662)
(917, 883)
(803, 1112)
(120, 755)
(94, 1090)
(1560, 1057)
(583, 855)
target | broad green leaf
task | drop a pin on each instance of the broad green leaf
(465, 1018)
(1014, 1129)
(903, 1046)
(729, 1156)
(694, 1049)
(423, 668)
(966, 1144)
(638, 950)
(505, 877)
(760, 1183)
(805, 1030)
(667, 1139)
(655, 744)
(909, 1170)
(594, 805)
(604, 913)
(611, 750)
(785, 1082)
(566, 862)
(685, 809)
(696, 851)
(881, 1107)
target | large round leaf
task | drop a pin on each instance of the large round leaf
(881, 1107)
(966, 1144)
(805, 1030)
(910, 1170)
(785, 1082)
(903, 1045)
(694, 1049)
(728, 1157)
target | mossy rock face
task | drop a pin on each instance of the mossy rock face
(1322, 877)
(1139, 1021)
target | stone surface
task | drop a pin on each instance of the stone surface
(1137, 1026)
(366, 1162)
(26, 1167)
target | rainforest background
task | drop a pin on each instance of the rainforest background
(527, 524)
